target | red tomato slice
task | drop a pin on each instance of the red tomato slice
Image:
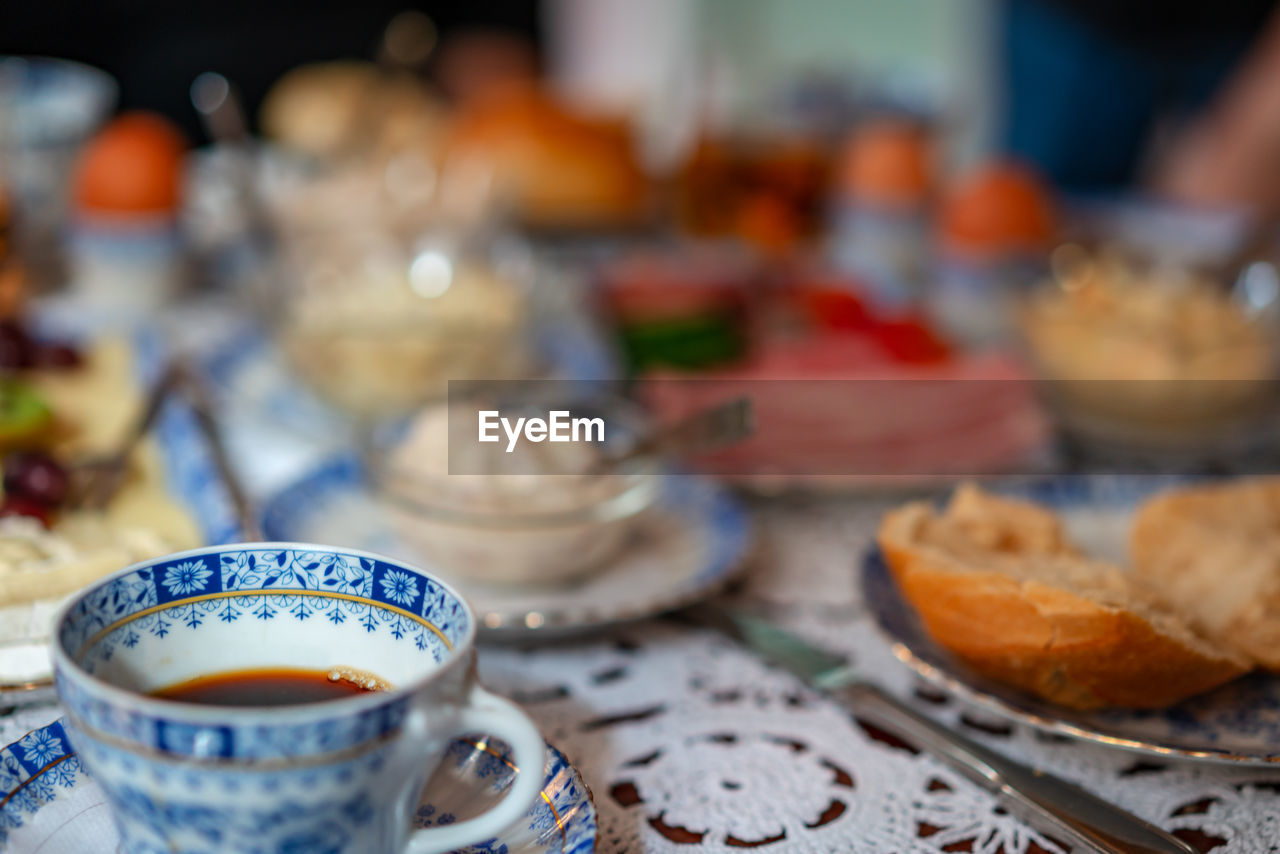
(911, 341)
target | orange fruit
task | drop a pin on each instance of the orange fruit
(887, 162)
(133, 165)
(999, 207)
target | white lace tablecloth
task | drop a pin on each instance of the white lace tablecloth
(691, 745)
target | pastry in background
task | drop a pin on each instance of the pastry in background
(49, 548)
(332, 110)
(547, 166)
(996, 582)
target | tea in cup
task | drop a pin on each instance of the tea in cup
(279, 698)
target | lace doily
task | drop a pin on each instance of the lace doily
(692, 745)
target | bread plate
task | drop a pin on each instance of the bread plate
(1237, 724)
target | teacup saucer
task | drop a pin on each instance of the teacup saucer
(696, 537)
(49, 804)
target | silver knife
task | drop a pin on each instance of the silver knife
(1055, 807)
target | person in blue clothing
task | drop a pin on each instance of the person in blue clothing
(1182, 96)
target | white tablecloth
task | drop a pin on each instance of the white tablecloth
(690, 744)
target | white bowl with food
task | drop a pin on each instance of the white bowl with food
(377, 329)
(1160, 357)
(537, 516)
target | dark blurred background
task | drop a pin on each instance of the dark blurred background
(155, 48)
(748, 188)
(1079, 86)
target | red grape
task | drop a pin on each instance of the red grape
(17, 505)
(57, 356)
(16, 347)
(35, 476)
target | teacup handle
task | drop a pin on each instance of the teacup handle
(490, 714)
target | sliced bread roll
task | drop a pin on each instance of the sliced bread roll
(997, 583)
(1213, 553)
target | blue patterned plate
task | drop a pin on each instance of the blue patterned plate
(696, 538)
(1237, 724)
(49, 804)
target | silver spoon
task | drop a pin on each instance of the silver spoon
(707, 430)
(94, 482)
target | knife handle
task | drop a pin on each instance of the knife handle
(1051, 805)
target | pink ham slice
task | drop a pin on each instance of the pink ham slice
(845, 410)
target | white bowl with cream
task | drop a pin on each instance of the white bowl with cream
(538, 517)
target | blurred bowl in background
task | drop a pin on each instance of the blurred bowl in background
(1150, 355)
(534, 517)
(378, 301)
(378, 327)
(1157, 230)
(683, 307)
(48, 108)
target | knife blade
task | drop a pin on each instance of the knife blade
(1057, 808)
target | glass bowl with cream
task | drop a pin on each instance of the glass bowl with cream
(377, 302)
(377, 330)
(1149, 353)
(523, 513)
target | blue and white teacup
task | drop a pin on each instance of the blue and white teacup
(335, 777)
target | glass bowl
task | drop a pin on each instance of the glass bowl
(376, 302)
(535, 518)
(1155, 356)
(48, 108)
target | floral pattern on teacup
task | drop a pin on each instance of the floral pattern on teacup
(32, 772)
(186, 578)
(197, 592)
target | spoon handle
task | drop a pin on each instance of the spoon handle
(717, 427)
(246, 512)
(103, 476)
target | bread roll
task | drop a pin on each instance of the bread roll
(997, 583)
(1213, 552)
(329, 110)
(554, 168)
